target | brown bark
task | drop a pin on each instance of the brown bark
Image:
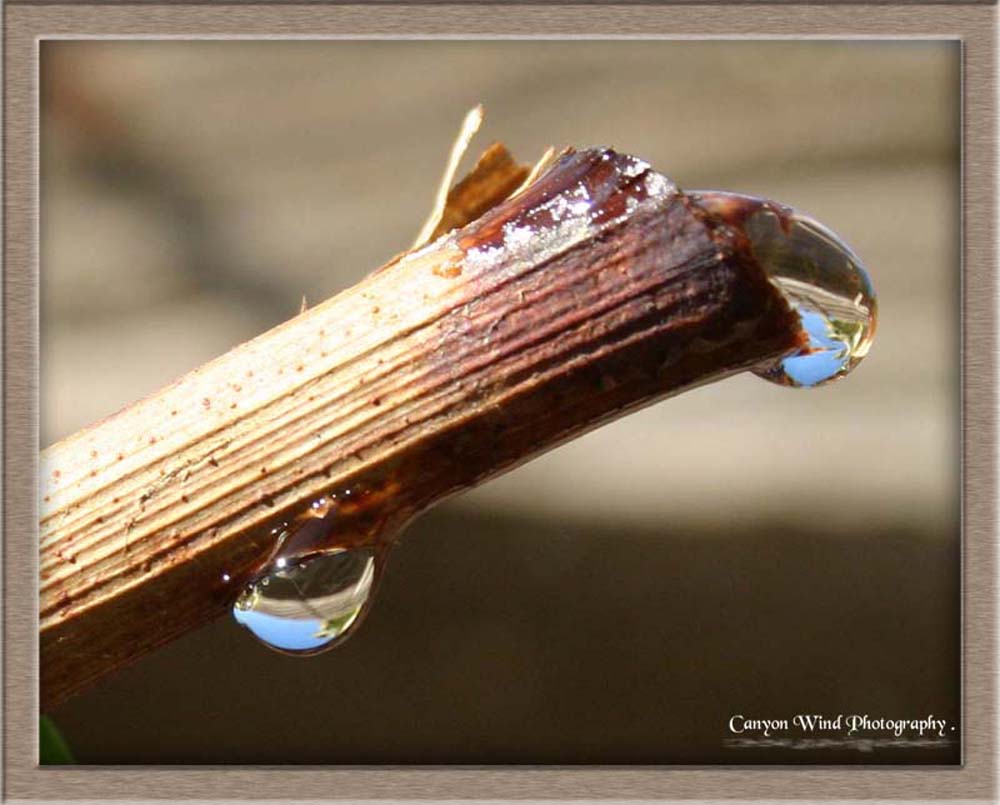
(597, 290)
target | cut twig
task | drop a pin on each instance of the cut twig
(596, 290)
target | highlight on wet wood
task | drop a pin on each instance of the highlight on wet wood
(557, 305)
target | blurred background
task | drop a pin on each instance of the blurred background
(741, 549)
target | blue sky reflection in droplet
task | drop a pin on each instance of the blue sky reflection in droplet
(288, 634)
(828, 358)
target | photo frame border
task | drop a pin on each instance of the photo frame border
(974, 24)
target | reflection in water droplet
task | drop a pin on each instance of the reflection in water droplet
(310, 606)
(822, 279)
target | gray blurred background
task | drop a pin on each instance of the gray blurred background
(741, 549)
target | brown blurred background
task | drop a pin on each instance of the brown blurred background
(742, 549)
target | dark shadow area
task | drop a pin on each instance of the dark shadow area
(497, 641)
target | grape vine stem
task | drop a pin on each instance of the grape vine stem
(435, 373)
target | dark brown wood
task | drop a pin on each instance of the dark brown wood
(598, 289)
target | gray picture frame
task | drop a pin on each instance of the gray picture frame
(974, 24)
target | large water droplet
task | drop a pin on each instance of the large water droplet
(823, 280)
(310, 605)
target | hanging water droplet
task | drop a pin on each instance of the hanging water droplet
(309, 606)
(820, 276)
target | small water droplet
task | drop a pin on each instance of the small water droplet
(312, 605)
(823, 280)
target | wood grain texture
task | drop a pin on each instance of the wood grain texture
(597, 289)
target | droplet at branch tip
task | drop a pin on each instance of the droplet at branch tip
(821, 278)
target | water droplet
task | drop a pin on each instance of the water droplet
(310, 606)
(821, 277)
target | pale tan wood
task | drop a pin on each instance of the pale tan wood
(222, 449)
